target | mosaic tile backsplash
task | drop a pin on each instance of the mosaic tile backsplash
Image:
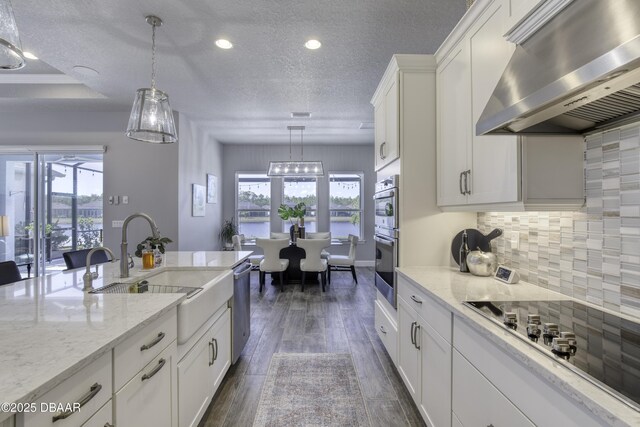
(592, 255)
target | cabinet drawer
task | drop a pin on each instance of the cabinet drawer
(90, 387)
(137, 351)
(102, 418)
(476, 402)
(150, 398)
(387, 331)
(438, 317)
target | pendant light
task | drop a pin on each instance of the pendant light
(296, 168)
(11, 56)
(151, 118)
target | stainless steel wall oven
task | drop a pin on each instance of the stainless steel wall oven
(386, 237)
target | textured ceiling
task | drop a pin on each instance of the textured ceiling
(246, 94)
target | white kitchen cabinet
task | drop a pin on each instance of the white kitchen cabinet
(150, 397)
(424, 354)
(91, 387)
(476, 402)
(102, 418)
(387, 330)
(494, 172)
(489, 370)
(386, 116)
(202, 369)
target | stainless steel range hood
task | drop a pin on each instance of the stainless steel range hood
(578, 73)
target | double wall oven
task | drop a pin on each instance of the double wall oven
(386, 237)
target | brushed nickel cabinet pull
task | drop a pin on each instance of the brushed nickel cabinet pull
(467, 178)
(382, 329)
(415, 339)
(93, 390)
(415, 299)
(155, 341)
(155, 370)
(460, 184)
(212, 353)
(215, 353)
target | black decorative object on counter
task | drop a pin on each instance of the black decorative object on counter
(463, 252)
(475, 240)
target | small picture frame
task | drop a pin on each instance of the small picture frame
(198, 204)
(212, 188)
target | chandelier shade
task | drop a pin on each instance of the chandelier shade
(299, 168)
(151, 118)
(296, 168)
(11, 56)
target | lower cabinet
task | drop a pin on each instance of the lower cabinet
(149, 398)
(202, 369)
(387, 330)
(102, 418)
(424, 364)
(476, 402)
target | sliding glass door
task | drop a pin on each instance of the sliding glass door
(53, 203)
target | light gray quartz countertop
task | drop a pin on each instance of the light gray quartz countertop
(451, 288)
(50, 328)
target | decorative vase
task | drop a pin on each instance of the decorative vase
(294, 231)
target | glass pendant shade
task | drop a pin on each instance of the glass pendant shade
(11, 57)
(300, 168)
(151, 118)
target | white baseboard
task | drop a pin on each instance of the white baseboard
(365, 263)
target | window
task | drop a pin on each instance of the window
(296, 190)
(253, 205)
(345, 206)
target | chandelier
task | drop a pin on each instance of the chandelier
(151, 118)
(296, 168)
(11, 56)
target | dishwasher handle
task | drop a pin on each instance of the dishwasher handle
(241, 270)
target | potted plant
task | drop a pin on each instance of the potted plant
(156, 244)
(228, 230)
(291, 213)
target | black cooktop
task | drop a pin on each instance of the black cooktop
(587, 340)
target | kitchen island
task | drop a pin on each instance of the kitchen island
(50, 329)
(511, 381)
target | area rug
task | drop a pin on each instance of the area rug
(311, 389)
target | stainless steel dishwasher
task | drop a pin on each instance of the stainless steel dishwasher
(240, 309)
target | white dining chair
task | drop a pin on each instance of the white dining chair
(313, 262)
(345, 262)
(272, 263)
(320, 235)
(275, 235)
(237, 246)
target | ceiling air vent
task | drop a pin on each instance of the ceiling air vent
(300, 115)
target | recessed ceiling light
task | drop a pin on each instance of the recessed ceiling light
(29, 55)
(313, 44)
(85, 71)
(224, 44)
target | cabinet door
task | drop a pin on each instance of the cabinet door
(221, 343)
(435, 402)
(409, 354)
(391, 145)
(379, 133)
(102, 418)
(494, 176)
(149, 398)
(520, 9)
(195, 382)
(454, 119)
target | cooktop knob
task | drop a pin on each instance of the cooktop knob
(551, 329)
(533, 318)
(533, 331)
(510, 319)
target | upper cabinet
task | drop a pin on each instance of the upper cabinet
(494, 172)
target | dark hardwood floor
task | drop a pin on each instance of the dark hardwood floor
(340, 320)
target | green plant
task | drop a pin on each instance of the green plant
(152, 243)
(55, 235)
(291, 212)
(228, 230)
(88, 237)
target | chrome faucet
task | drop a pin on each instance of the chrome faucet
(88, 276)
(124, 256)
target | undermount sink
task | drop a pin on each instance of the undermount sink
(204, 289)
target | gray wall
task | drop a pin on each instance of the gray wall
(200, 155)
(147, 173)
(592, 255)
(336, 158)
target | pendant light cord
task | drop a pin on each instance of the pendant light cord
(301, 145)
(289, 144)
(153, 57)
